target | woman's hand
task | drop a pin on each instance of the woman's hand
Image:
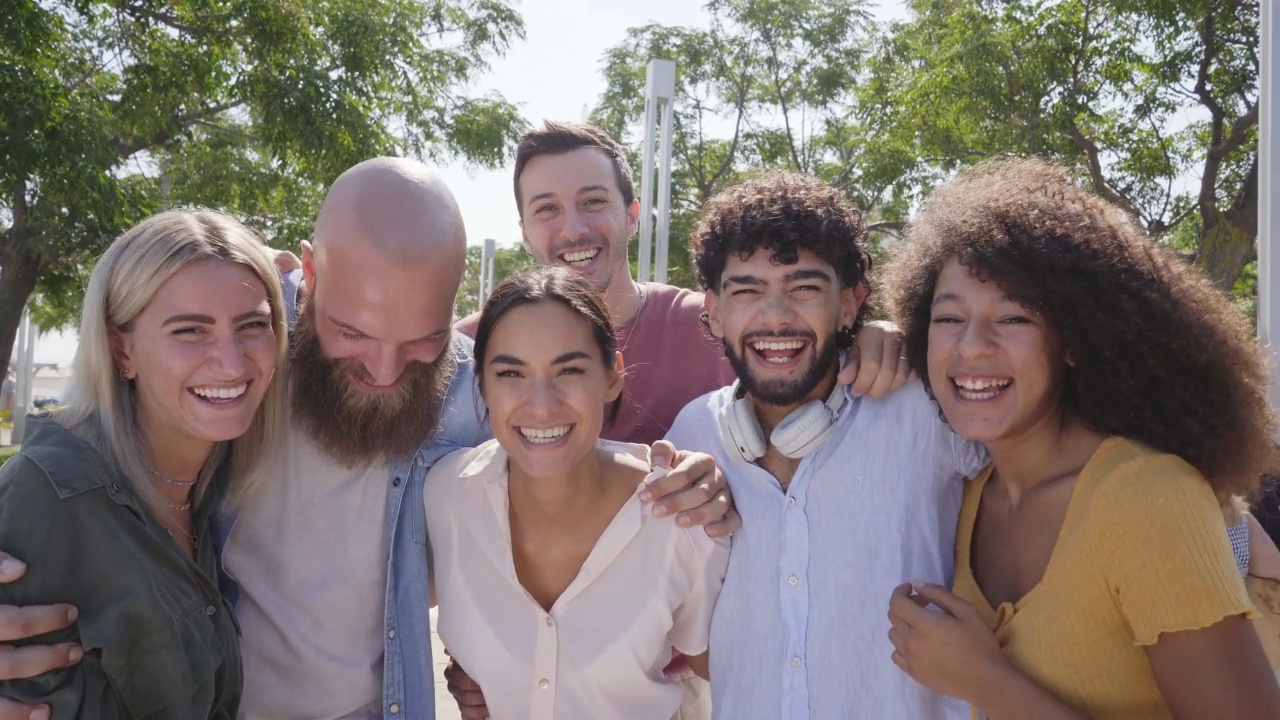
(950, 650)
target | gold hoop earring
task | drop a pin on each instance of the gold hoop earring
(125, 375)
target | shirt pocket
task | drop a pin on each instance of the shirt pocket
(172, 676)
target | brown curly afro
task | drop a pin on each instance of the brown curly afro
(1160, 355)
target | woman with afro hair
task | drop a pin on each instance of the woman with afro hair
(1122, 398)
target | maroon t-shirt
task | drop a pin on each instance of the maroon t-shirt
(669, 361)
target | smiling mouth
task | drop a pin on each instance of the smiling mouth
(778, 352)
(579, 258)
(545, 436)
(220, 395)
(980, 389)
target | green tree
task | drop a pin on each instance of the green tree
(507, 260)
(769, 84)
(110, 111)
(1155, 102)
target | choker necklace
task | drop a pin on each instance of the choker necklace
(171, 481)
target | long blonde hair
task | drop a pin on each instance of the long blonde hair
(101, 407)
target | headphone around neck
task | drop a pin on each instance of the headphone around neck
(801, 432)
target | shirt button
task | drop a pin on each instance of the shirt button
(391, 633)
(550, 622)
(793, 580)
(791, 502)
(395, 482)
(210, 611)
(395, 709)
(796, 661)
(544, 683)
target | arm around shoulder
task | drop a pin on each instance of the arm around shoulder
(35, 526)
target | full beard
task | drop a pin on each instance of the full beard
(779, 392)
(357, 427)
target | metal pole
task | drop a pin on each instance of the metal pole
(664, 189)
(646, 176)
(490, 251)
(22, 388)
(1269, 194)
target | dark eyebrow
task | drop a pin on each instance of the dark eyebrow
(808, 274)
(592, 188)
(539, 196)
(207, 320)
(943, 297)
(567, 357)
(570, 357)
(741, 280)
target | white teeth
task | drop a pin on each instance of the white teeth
(982, 384)
(580, 255)
(776, 345)
(224, 393)
(540, 436)
(980, 389)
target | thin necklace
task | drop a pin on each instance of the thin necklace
(176, 506)
(171, 481)
(194, 543)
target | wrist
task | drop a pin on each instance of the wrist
(992, 681)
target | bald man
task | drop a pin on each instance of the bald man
(326, 563)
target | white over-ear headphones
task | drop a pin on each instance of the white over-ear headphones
(801, 432)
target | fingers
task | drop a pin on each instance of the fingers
(11, 568)
(25, 662)
(694, 482)
(943, 598)
(466, 692)
(868, 368)
(661, 454)
(10, 710)
(849, 372)
(17, 623)
(726, 527)
(891, 360)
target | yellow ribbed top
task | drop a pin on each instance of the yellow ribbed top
(1143, 550)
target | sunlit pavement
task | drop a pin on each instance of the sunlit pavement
(446, 708)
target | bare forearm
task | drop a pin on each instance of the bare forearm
(1012, 695)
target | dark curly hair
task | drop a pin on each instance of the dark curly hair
(783, 213)
(1160, 354)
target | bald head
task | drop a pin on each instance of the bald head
(394, 206)
(383, 270)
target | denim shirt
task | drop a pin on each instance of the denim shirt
(408, 680)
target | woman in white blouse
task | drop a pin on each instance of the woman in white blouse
(558, 592)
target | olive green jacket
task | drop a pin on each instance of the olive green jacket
(159, 641)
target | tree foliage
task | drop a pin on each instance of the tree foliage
(767, 85)
(507, 260)
(1155, 102)
(110, 111)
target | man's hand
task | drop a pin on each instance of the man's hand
(465, 691)
(876, 365)
(17, 623)
(695, 489)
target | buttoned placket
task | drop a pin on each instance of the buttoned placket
(793, 558)
(393, 686)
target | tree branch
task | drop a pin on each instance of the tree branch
(127, 149)
(1218, 152)
(886, 226)
(1090, 149)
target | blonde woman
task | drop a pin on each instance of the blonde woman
(171, 402)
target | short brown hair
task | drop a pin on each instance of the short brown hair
(1159, 354)
(558, 138)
